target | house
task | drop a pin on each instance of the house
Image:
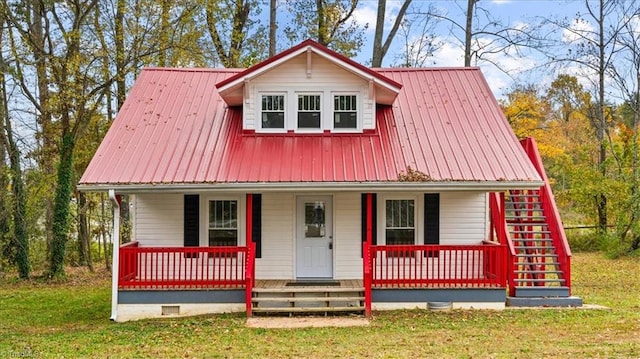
(310, 182)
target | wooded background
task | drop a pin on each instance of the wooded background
(67, 66)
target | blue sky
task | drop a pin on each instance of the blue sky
(509, 12)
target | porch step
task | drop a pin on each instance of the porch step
(544, 302)
(542, 292)
(308, 299)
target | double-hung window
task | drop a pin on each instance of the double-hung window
(400, 221)
(345, 111)
(223, 223)
(272, 111)
(309, 113)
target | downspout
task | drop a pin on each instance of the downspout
(115, 254)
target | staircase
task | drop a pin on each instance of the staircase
(311, 299)
(541, 267)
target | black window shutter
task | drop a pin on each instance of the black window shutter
(374, 226)
(432, 218)
(191, 220)
(256, 223)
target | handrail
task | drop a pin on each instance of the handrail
(551, 212)
(367, 276)
(497, 214)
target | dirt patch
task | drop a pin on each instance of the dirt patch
(305, 322)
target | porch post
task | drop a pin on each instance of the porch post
(366, 255)
(250, 266)
(115, 255)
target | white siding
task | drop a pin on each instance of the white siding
(463, 217)
(277, 237)
(159, 220)
(347, 237)
(291, 77)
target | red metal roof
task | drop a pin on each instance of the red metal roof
(174, 129)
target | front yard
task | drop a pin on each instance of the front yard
(72, 320)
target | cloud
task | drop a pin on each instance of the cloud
(577, 30)
(500, 2)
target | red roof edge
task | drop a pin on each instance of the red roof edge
(318, 47)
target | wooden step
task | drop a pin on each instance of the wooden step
(307, 309)
(538, 271)
(305, 299)
(311, 289)
(540, 280)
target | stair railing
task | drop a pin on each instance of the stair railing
(551, 211)
(497, 211)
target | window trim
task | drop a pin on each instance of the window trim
(259, 111)
(359, 104)
(204, 217)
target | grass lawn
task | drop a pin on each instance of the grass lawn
(72, 320)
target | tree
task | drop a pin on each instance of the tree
(418, 36)
(330, 22)
(381, 47)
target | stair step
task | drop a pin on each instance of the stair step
(540, 280)
(565, 301)
(307, 309)
(538, 271)
(546, 240)
(309, 290)
(305, 299)
(534, 247)
(534, 255)
(539, 291)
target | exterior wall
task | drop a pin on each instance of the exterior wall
(463, 220)
(292, 77)
(278, 228)
(463, 217)
(159, 220)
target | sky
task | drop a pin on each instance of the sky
(508, 67)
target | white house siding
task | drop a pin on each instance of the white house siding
(463, 217)
(292, 78)
(347, 242)
(278, 228)
(159, 220)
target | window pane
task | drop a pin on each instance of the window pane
(223, 223)
(400, 221)
(314, 219)
(308, 120)
(272, 111)
(345, 114)
(273, 120)
(345, 120)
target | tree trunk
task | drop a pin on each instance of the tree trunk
(84, 239)
(61, 207)
(273, 27)
(601, 198)
(380, 49)
(468, 33)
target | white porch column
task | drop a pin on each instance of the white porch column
(115, 254)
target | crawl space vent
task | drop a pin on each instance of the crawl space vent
(170, 309)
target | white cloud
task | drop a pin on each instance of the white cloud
(500, 2)
(365, 16)
(578, 29)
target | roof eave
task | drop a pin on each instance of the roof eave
(488, 186)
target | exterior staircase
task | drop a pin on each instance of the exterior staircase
(308, 300)
(540, 254)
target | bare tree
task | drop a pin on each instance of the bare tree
(381, 47)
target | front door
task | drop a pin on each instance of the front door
(314, 241)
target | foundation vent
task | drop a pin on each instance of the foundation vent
(170, 309)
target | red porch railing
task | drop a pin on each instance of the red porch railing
(498, 233)
(184, 267)
(427, 266)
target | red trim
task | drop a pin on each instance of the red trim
(366, 256)
(296, 48)
(250, 257)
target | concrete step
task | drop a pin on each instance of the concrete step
(540, 292)
(531, 302)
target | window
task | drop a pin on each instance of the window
(309, 111)
(273, 111)
(400, 221)
(223, 223)
(345, 111)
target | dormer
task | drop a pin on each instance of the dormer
(308, 89)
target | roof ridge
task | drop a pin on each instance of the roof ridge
(193, 69)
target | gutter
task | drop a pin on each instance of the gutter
(115, 256)
(488, 186)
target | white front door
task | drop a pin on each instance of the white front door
(314, 235)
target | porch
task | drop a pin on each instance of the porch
(392, 274)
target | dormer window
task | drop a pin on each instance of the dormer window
(345, 111)
(272, 111)
(309, 112)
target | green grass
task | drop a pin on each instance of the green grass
(72, 320)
